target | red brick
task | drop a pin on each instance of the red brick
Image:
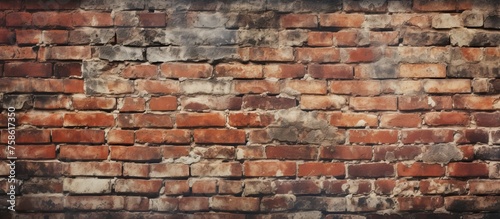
(53, 19)
(441, 5)
(305, 86)
(72, 152)
(361, 88)
(284, 71)
(372, 170)
(47, 85)
(256, 86)
(322, 102)
(487, 119)
(250, 152)
(317, 55)
(230, 203)
(200, 120)
(420, 170)
(176, 152)
(132, 104)
(420, 203)
(77, 136)
(468, 170)
(422, 71)
(269, 168)
(393, 120)
(384, 186)
(28, 37)
(298, 187)
(443, 186)
(18, 19)
(453, 86)
(152, 19)
(92, 19)
(140, 71)
(331, 71)
(374, 103)
(473, 136)
(93, 169)
(133, 203)
(176, 187)
(226, 169)
(156, 136)
(163, 103)
(271, 54)
(391, 153)
(136, 169)
(249, 119)
(360, 55)
(35, 152)
(55, 37)
(204, 186)
(93, 103)
(135, 153)
(169, 170)
(342, 152)
(219, 136)
(298, 20)
(236, 70)
(194, 204)
(7, 36)
(341, 20)
(353, 119)
(88, 119)
(40, 119)
(346, 38)
(319, 38)
(16, 53)
(289, 152)
(373, 136)
(267, 102)
(28, 69)
(145, 120)
(474, 102)
(138, 186)
(24, 136)
(158, 87)
(446, 118)
(185, 70)
(321, 169)
(427, 136)
(424, 102)
(65, 53)
(230, 186)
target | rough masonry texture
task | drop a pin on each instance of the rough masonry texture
(260, 109)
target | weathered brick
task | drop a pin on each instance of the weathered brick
(422, 203)
(93, 169)
(77, 136)
(422, 70)
(474, 102)
(120, 53)
(267, 102)
(370, 170)
(138, 186)
(341, 20)
(446, 118)
(331, 71)
(373, 103)
(317, 55)
(305, 87)
(88, 119)
(229, 169)
(322, 102)
(158, 87)
(298, 21)
(256, 86)
(420, 170)
(230, 203)
(184, 70)
(471, 203)
(391, 120)
(362, 88)
(94, 202)
(427, 136)
(93, 19)
(37, 203)
(176, 187)
(269, 168)
(87, 186)
(271, 54)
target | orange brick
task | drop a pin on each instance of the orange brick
(392, 120)
(422, 71)
(353, 120)
(341, 20)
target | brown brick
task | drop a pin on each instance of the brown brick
(289, 152)
(422, 203)
(321, 169)
(420, 170)
(342, 152)
(269, 168)
(298, 20)
(331, 71)
(371, 170)
(284, 71)
(184, 70)
(230, 203)
(135, 153)
(152, 19)
(138, 186)
(341, 20)
(267, 102)
(200, 120)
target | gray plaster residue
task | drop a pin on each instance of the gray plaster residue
(297, 126)
(441, 153)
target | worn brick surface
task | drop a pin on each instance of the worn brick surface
(250, 109)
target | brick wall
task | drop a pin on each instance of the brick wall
(251, 109)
